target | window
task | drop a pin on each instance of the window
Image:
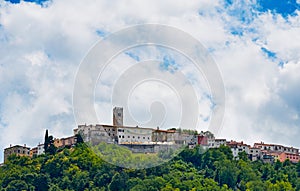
(119, 114)
(143, 137)
(108, 134)
(123, 136)
(119, 136)
(128, 136)
(138, 137)
(132, 136)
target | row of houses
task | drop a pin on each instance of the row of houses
(262, 151)
(149, 140)
(143, 141)
(137, 139)
(23, 150)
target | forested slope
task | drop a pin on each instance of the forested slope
(79, 168)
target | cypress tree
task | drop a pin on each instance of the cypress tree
(46, 143)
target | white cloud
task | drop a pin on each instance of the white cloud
(41, 49)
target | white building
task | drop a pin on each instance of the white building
(218, 142)
(134, 135)
(40, 149)
(254, 153)
(276, 148)
(237, 147)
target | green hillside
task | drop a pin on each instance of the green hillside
(80, 168)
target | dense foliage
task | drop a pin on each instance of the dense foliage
(80, 168)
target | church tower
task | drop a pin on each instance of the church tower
(118, 116)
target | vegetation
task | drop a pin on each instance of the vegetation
(49, 144)
(80, 168)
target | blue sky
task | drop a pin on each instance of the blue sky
(255, 44)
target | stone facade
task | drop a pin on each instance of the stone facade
(118, 116)
(17, 150)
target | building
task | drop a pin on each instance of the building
(276, 148)
(68, 141)
(134, 135)
(282, 156)
(17, 150)
(254, 153)
(294, 158)
(206, 139)
(33, 152)
(96, 134)
(163, 135)
(237, 147)
(268, 158)
(182, 138)
(278, 152)
(219, 142)
(41, 149)
(118, 116)
(65, 142)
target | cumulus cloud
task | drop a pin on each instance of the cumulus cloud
(41, 48)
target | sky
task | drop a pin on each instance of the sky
(255, 44)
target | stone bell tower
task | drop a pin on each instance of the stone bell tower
(118, 116)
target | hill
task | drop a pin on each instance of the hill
(80, 168)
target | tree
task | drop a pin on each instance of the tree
(118, 182)
(298, 168)
(243, 156)
(226, 173)
(17, 185)
(46, 142)
(51, 147)
(227, 151)
(79, 138)
(41, 182)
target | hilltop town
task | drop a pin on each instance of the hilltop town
(154, 140)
